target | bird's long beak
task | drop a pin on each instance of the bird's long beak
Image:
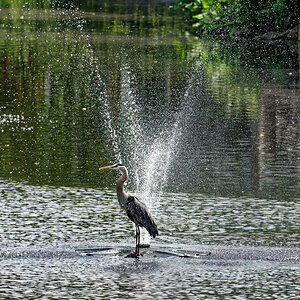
(106, 168)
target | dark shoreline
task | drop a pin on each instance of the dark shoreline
(288, 35)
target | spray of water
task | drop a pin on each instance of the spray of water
(148, 156)
(156, 169)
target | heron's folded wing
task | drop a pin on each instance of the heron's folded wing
(138, 213)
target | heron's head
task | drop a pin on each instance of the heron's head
(119, 167)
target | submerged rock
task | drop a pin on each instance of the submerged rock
(272, 35)
(292, 34)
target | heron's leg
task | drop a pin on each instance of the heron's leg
(137, 243)
(137, 240)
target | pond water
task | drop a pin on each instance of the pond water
(208, 129)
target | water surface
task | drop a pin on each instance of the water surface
(209, 131)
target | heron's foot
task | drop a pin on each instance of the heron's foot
(133, 255)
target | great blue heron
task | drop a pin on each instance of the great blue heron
(135, 208)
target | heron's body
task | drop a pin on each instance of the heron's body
(135, 208)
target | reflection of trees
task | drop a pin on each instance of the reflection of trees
(51, 89)
(46, 83)
(279, 137)
(235, 73)
(54, 78)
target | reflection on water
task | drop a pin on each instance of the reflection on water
(73, 99)
(37, 215)
(39, 241)
(210, 134)
(159, 279)
(278, 151)
(88, 278)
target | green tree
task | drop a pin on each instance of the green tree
(260, 15)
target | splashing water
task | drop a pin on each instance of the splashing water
(156, 171)
(131, 129)
(148, 156)
(112, 131)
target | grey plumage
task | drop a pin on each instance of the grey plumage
(138, 213)
(135, 208)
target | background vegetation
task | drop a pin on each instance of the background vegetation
(253, 15)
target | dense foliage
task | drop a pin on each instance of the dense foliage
(25, 4)
(258, 15)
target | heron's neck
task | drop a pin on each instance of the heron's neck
(120, 182)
